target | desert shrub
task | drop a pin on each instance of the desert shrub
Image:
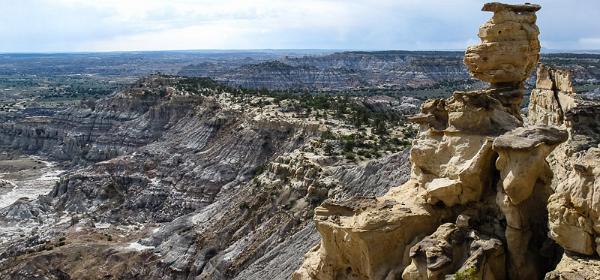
(244, 205)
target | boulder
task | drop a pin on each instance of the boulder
(572, 267)
(454, 248)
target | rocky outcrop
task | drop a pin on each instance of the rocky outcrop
(102, 130)
(456, 247)
(370, 238)
(523, 189)
(552, 97)
(574, 267)
(572, 214)
(453, 169)
(475, 205)
(509, 48)
(451, 157)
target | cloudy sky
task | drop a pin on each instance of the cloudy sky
(111, 25)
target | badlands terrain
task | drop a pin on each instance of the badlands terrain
(304, 164)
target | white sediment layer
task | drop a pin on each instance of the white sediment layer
(32, 186)
(139, 247)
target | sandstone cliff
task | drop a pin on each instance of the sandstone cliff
(573, 211)
(483, 201)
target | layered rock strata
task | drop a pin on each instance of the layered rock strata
(371, 238)
(573, 211)
(104, 129)
(509, 48)
(214, 186)
(456, 171)
(475, 205)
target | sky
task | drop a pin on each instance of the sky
(127, 25)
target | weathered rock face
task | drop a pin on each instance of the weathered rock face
(370, 238)
(572, 210)
(509, 49)
(451, 158)
(444, 252)
(522, 159)
(474, 163)
(522, 192)
(552, 97)
(456, 166)
(105, 129)
(572, 267)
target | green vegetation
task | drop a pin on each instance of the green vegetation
(467, 274)
(373, 136)
(337, 104)
(194, 84)
(54, 91)
(244, 205)
(260, 169)
(360, 146)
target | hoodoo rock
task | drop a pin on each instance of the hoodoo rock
(509, 48)
(489, 196)
(522, 191)
(452, 168)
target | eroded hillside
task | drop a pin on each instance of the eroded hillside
(183, 177)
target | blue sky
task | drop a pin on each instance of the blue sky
(121, 25)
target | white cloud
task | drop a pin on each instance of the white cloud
(61, 25)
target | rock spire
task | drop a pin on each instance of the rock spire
(476, 201)
(509, 48)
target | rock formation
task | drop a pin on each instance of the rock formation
(175, 183)
(476, 204)
(510, 48)
(200, 184)
(573, 211)
(341, 71)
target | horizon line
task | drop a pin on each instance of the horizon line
(574, 51)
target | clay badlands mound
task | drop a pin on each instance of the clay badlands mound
(492, 194)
